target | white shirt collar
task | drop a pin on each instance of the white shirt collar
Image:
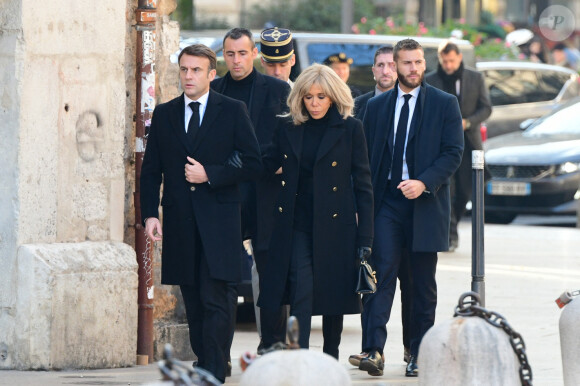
(202, 99)
(414, 92)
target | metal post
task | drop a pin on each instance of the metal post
(477, 220)
(145, 101)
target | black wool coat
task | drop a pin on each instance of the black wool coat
(342, 190)
(267, 102)
(212, 209)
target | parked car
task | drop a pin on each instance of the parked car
(536, 171)
(311, 47)
(524, 90)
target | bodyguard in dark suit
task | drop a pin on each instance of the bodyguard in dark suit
(415, 143)
(469, 87)
(191, 139)
(385, 76)
(265, 98)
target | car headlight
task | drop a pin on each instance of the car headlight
(568, 167)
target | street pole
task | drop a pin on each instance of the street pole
(145, 100)
(347, 16)
(477, 221)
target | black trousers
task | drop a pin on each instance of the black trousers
(208, 313)
(301, 287)
(394, 235)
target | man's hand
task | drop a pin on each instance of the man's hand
(153, 229)
(411, 189)
(195, 172)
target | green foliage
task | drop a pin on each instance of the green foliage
(305, 15)
(184, 14)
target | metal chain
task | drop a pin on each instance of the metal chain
(472, 308)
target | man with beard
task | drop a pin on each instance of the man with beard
(415, 143)
(469, 87)
(385, 75)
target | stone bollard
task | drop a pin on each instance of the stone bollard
(469, 350)
(570, 342)
(295, 367)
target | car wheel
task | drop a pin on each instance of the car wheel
(499, 217)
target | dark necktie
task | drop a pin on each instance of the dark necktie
(399, 146)
(193, 126)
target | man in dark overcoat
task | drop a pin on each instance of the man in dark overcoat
(190, 141)
(415, 144)
(265, 98)
(468, 85)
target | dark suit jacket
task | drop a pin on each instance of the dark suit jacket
(268, 101)
(360, 104)
(341, 189)
(212, 209)
(434, 151)
(474, 103)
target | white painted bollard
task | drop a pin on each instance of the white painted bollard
(295, 367)
(570, 342)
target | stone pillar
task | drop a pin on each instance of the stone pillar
(570, 342)
(62, 122)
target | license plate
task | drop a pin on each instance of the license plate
(500, 188)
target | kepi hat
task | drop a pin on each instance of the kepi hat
(276, 44)
(337, 58)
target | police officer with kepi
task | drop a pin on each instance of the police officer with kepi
(277, 53)
(340, 63)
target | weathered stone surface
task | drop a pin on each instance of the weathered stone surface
(177, 334)
(76, 306)
(570, 342)
(295, 367)
(467, 351)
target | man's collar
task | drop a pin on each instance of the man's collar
(202, 99)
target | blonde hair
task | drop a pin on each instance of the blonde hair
(332, 86)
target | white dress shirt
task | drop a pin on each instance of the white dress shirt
(399, 105)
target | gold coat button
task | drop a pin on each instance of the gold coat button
(280, 209)
(285, 156)
(334, 189)
(335, 215)
(192, 188)
(334, 163)
(283, 183)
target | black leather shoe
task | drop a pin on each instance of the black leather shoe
(372, 364)
(412, 369)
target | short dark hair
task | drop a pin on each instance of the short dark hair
(446, 47)
(202, 51)
(388, 49)
(559, 47)
(405, 45)
(237, 33)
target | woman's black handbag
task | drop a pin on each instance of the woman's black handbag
(367, 281)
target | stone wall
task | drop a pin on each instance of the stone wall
(63, 126)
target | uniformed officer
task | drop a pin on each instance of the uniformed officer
(340, 63)
(277, 53)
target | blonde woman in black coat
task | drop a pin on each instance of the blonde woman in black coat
(324, 213)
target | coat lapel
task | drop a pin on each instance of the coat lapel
(260, 92)
(417, 119)
(332, 134)
(212, 111)
(177, 119)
